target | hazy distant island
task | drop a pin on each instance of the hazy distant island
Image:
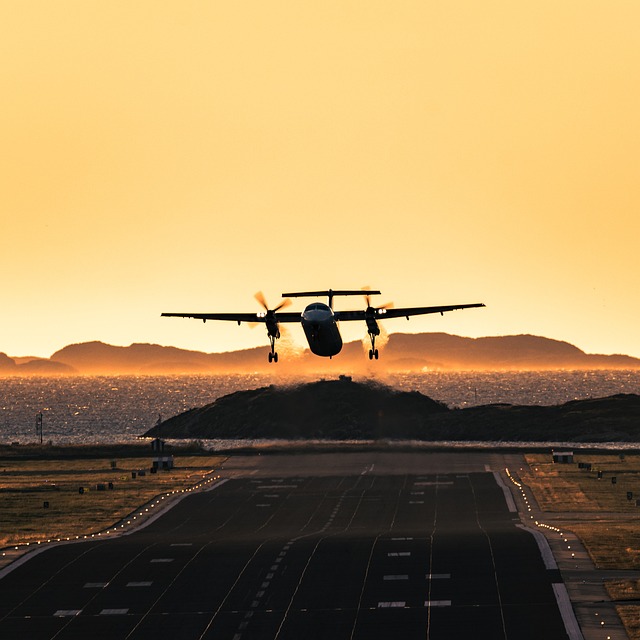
(402, 352)
(346, 410)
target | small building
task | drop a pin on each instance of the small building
(562, 457)
(163, 462)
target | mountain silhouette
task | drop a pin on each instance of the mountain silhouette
(402, 352)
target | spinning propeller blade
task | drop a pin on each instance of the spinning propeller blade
(259, 296)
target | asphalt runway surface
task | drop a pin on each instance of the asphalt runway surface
(362, 545)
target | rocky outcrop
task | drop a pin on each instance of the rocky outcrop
(346, 410)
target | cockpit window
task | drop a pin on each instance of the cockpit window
(317, 306)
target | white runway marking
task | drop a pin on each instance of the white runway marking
(507, 494)
(566, 611)
(438, 576)
(396, 577)
(67, 613)
(114, 612)
(182, 544)
(277, 486)
(95, 585)
(398, 554)
(162, 560)
(139, 584)
(437, 603)
(392, 605)
(543, 545)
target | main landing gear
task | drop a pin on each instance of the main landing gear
(373, 352)
(273, 354)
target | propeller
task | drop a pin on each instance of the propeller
(386, 305)
(263, 303)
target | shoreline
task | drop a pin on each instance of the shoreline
(292, 447)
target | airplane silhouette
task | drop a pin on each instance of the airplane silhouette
(320, 321)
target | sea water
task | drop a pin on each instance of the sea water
(114, 409)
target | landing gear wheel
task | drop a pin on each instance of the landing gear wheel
(370, 354)
(375, 354)
(275, 357)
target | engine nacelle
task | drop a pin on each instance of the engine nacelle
(372, 325)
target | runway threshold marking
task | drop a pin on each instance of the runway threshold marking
(95, 585)
(437, 603)
(392, 605)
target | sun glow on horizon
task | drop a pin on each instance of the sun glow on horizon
(443, 153)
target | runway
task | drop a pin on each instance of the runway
(363, 545)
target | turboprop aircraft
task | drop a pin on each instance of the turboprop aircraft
(320, 321)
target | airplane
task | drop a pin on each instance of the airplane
(320, 321)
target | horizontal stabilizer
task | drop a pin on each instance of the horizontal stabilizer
(330, 293)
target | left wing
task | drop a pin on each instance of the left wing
(381, 313)
(237, 317)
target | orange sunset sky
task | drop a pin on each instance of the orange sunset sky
(180, 156)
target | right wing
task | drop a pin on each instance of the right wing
(382, 313)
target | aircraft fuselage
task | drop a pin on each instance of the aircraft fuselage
(320, 327)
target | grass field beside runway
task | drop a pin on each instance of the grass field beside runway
(612, 533)
(43, 499)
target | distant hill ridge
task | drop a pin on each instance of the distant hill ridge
(403, 352)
